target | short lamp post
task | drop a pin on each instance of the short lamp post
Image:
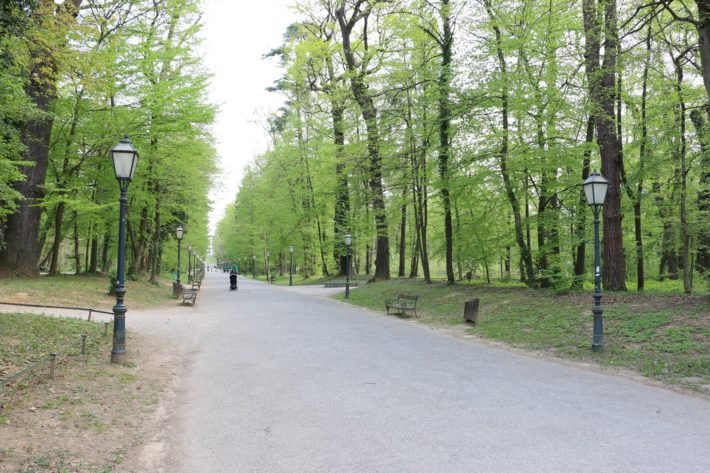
(179, 232)
(189, 261)
(348, 242)
(290, 266)
(595, 187)
(125, 159)
(253, 264)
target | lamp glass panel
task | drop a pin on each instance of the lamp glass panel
(125, 159)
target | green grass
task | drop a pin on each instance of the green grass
(660, 335)
(26, 338)
(88, 291)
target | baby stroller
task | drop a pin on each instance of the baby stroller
(233, 281)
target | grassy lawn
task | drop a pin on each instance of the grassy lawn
(89, 291)
(661, 334)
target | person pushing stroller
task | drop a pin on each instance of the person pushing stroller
(233, 272)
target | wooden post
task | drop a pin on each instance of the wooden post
(470, 311)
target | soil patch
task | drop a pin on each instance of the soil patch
(94, 416)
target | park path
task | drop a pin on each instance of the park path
(278, 380)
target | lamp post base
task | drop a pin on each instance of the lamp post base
(597, 348)
(119, 358)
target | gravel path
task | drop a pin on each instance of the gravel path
(278, 380)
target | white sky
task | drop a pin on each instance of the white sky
(237, 34)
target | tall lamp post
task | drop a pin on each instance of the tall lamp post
(348, 241)
(290, 266)
(253, 264)
(189, 261)
(595, 187)
(125, 159)
(179, 232)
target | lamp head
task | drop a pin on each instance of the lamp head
(125, 159)
(595, 187)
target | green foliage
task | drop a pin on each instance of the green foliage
(291, 193)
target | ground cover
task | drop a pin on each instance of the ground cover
(661, 335)
(94, 415)
(89, 291)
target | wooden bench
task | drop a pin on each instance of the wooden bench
(189, 295)
(402, 304)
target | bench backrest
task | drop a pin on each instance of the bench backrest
(408, 297)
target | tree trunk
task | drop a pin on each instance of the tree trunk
(503, 156)
(369, 114)
(446, 41)
(58, 223)
(602, 85)
(683, 175)
(403, 237)
(580, 229)
(21, 253)
(77, 254)
(702, 260)
(342, 195)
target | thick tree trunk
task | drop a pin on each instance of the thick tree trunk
(682, 164)
(342, 195)
(702, 260)
(21, 253)
(446, 42)
(602, 85)
(93, 260)
(369, 114)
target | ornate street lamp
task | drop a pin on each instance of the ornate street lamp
(125, 159)
(595, 187)
(290, 267)
(348, 241)
(189, 261)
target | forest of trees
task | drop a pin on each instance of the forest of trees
(451, 138)
(75, 76)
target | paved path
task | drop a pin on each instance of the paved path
(281, 381)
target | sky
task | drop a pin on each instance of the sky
(236, 36)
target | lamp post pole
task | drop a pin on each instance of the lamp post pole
(290, 266)
(348, 241)
(178, 233)
(595, 187)
(124, 158)
(597, 311)
(189, 260)
(119, 352)
(253, 265)
(268, 279)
